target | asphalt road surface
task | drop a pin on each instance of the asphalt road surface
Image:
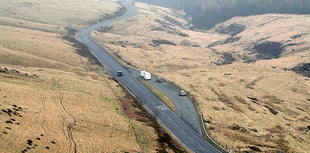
(185, 108)
(168, 119)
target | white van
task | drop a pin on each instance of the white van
(146, 75)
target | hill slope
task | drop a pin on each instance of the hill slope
(249, 98)
(51, 98)
(207, 13)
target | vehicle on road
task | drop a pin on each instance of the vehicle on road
(119, 73)
(182, 93)
(146, 75)
(170, 120)
(160, 79)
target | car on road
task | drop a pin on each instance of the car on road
(119, 73)
(160, 79)
(182, 93)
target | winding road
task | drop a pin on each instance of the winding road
(168, 119)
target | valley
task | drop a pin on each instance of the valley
(54, 97)
(248, 76)
(251, 98)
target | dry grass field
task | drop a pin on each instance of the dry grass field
(292, 31)
(250, 99)
(61, 112)
(37, 49)
(51, 98)
(71, 13)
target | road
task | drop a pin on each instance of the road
(185, 108)
(168, 119)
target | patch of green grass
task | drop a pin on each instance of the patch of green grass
(160, 95)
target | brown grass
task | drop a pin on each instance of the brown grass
(37, 49)
(193, 68)
(32, 25)
(70, 105)
(90, 108)
(71, 13)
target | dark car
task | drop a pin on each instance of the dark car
(119, 73)
(182, 93)
(160, 79)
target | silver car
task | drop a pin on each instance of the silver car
(182, 93)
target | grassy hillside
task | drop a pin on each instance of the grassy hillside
(70, 13)
(280, 41)
(207, 13)
(61, 112)
(51, 98)
(238, 72)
